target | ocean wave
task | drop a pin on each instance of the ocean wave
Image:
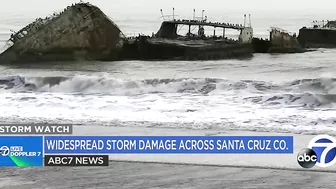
(320, 87)
(105, 85)
(304, 100)
(323, 85)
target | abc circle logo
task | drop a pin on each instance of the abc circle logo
(4, 151)
(307, 158)
(321, 152)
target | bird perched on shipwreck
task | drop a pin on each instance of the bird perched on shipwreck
(81, 31)
(168, 44)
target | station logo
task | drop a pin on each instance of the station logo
(4, 151)
(22, 151)
(321, 151)
(16, 151)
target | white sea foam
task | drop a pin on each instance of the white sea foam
(190, 103)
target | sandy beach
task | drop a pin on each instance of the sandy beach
(151, 175)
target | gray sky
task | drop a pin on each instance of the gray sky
(149, 6)
(265, 13)
(287, 14)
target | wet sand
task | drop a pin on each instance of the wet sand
(154, 175)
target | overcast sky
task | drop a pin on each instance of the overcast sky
(152, 6)
(288, 14)
(265, 13)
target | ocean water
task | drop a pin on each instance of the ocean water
(278, 93)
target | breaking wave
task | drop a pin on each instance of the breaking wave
(305, 100)
(104, 85)
(310, 93)
(321, 85)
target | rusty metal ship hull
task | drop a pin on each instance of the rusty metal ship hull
(167, 44)
(321, 35)
(173, 49)
(81, 31)
(317, 37)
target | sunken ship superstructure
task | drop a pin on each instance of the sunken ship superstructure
(168, 44)
(321, 35)
(81, 31)
(280, 41)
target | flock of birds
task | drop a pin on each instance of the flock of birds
(34, 26)
(205, 21)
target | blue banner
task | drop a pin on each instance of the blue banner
(168, 144)
(21, 151)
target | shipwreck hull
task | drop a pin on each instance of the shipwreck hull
(82, 31)
(283, 42)
(280, 42)
(148, 50)
(317, 37)
(167, 44)
(216, 53)
(261, 45)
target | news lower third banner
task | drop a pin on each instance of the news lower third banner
(168, 144)
(95, 150)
